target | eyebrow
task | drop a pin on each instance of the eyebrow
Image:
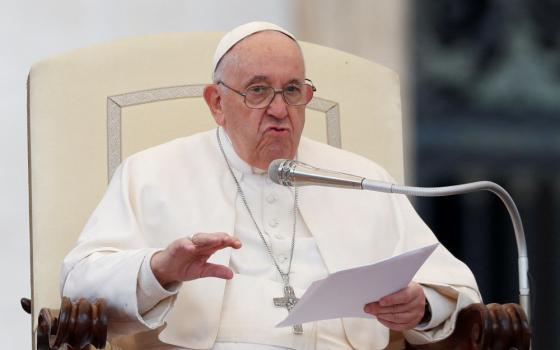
(256, 79)
(262, 78)
(294, 81)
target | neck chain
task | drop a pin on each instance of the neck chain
(289, 300)
(285, 275)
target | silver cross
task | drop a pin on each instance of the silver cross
(289, 301)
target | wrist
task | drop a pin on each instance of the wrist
(158, 270)
(427, 317)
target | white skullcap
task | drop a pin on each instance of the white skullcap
(239, 33)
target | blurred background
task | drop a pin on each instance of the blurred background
(481, 101)
(486, 97)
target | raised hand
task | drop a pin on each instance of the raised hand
(186, 259)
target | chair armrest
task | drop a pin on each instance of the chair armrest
(478, 327)
(77, 324)
(492, 326)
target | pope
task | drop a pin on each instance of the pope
(192, 242)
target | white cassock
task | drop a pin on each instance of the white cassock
(184, 187)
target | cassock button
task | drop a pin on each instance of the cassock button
(271, 198)
(282, 258)
(273, 222)
(278, 236)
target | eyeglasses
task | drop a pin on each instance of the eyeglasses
(260, 96)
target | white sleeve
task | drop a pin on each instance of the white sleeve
(461, 297)
(441, 307)
(107, 259)
(111, 276)
(154, 301)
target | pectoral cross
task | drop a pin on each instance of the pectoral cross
(289, 301)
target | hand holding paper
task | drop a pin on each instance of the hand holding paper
(403, 310)
(344, 293)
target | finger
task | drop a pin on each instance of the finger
(215, 239)
(209, 249)
(401, 297)
(203, 239)
(184, 251)
(400, 318)
(216, 270)
(372, 308)
(190, 255)
(376, 309)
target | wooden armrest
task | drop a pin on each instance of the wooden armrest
(77, 325)
(480, 327)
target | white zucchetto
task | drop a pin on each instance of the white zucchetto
(239, 33)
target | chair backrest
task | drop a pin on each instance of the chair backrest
(89, 108)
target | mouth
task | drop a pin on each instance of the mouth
(277, 130)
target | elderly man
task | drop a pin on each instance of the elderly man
(192, 242)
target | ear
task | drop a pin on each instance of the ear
(214, 101)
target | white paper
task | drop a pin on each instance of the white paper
(345, 293)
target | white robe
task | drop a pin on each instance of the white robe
(184, 187)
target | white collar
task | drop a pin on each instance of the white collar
(234, 159)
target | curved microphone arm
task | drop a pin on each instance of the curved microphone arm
(523, 260)
(291, 173)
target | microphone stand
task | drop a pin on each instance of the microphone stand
(522, 260)
(289, 173)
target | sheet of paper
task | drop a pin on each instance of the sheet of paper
(344, 293)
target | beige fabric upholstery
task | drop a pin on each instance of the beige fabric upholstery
(70, 97)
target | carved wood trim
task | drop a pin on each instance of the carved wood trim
(481, 327)
(478, 327)
(77, 325)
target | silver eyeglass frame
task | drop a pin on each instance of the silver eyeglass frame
(276, 91)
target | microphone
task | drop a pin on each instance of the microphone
(288, 172)
(293, 173)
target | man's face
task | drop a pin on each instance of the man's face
(261, 135)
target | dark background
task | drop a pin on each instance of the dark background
(487, 107)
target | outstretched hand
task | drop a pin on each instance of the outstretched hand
(401, 310)
(185, 259)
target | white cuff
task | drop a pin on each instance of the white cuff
(442, 308)
(150, 292)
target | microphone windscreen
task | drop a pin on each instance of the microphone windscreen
(274, 170)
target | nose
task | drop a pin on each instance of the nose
(278, 108)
